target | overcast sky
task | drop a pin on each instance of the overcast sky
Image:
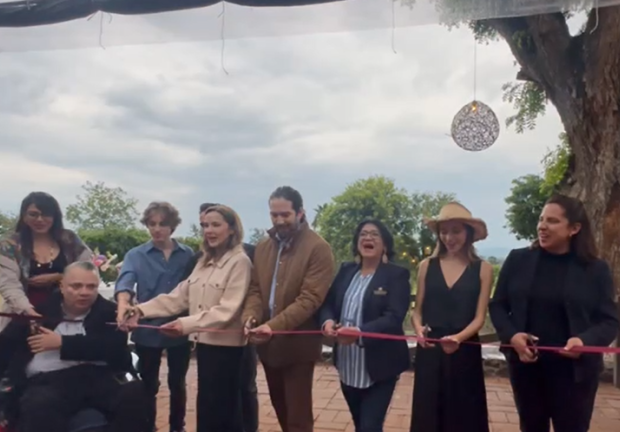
(316, 112)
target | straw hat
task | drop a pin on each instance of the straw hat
(457, 212)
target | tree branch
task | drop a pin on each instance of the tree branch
(523, 75)
(540, 44)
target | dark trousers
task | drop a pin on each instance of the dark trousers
(249, 392)
(51, 399)
(290, 390)
(148, 368)
(369, 406)
(219, 378)
(547, 392)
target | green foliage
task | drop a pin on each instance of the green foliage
(195, 231)
(256, 235)
(192, 242)
(555, 164)
(102, 208)
(483, 31)
(493, 260)
(377, 197)
(427, 205)
(529, 100)
(525, 203)
(7, 223)
(529, 193)
(114, 240)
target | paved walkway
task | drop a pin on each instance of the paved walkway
(332, 415)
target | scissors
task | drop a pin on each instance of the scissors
(532, 342)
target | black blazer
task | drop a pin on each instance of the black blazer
(588, 297)
(386, 303)
(102, 342)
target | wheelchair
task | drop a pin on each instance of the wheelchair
(86, 420)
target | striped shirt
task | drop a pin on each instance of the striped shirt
(351, 359)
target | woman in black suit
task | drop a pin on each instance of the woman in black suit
(555, 293)
(368, 295)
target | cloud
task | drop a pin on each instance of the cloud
(189, 122)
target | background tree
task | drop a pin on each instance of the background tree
(525, 203)
(256, 235)
(427, 205)
(377, 197)
(493, 260)
(7, 223)
(556, 163)
(577, 73)
(195, 231)
(103, 208)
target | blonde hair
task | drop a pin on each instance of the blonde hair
(471, 254)
(234, 223)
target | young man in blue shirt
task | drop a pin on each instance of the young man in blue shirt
(148, 270)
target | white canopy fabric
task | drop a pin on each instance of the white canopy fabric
(21, 29)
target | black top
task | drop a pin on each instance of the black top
(385, 304)
(57, 265)
(38, 295)
(546, 314)
(450, 309)
(587, 294)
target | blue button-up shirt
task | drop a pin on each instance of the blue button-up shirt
(146, 273)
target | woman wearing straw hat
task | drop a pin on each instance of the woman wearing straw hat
(454, 286)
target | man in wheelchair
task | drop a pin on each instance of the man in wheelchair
(69, 362)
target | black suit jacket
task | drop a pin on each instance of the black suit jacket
(588, 298)
(102, 341)
(248, 248)
(385, 305)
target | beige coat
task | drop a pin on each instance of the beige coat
(214, 295)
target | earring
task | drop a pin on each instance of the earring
(384, 258)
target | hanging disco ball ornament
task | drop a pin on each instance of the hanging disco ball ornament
(475, 127)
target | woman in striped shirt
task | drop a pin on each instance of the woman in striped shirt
(370, 295)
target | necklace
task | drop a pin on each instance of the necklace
(51, 259)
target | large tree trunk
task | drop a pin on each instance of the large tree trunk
(581, 77)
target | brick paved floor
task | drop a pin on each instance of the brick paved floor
(332, 415)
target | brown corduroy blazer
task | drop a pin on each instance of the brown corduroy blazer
(305, 273)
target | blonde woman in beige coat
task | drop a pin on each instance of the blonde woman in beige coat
(214, 294)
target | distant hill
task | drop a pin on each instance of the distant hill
(498, 252)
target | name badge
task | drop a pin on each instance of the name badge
(380, 291)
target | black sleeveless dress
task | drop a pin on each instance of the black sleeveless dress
(449, 394)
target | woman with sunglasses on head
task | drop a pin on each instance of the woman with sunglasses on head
(556, 293)
(34, 257)
(454, 287)
(368, 295)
